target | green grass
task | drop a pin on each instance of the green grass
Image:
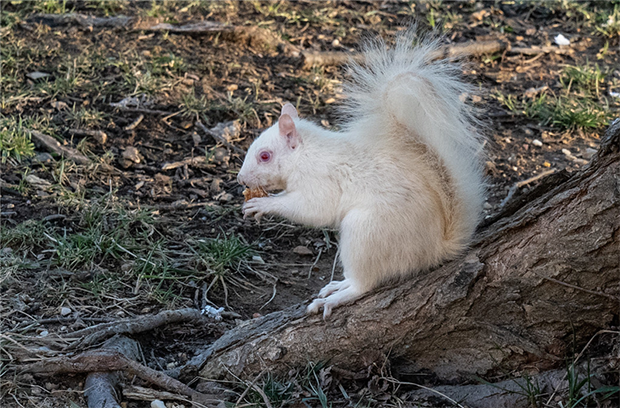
(583, 79)
(15, 142)
(608, 24)
(564, 112)
(27, 235)
(52, 7)
(81, 117)
(193, 106)
(221, 255)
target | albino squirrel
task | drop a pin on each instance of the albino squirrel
(402, 180)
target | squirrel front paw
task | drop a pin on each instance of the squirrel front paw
(256, 207)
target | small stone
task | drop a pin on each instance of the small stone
(132, 154)
(537, 142)
(221, 156)
(196, 139)
(216, 186)
(37, 182)
(567, 152)
(336, 43)
(158, 404)
(64, 311)
(258, 259)
(44, 333)
(37, 75)
(487, 206)
(224, 197)
(325, 123)
(546, 164)
(58, 105)
(588, 153)
(302, 250)
(43, 158)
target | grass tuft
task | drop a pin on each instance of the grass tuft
(14, 140)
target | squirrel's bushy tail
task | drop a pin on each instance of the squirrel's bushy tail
(407, 86)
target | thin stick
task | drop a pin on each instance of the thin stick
(54, 145)
(523, 183)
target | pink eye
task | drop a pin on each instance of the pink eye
(264, 156)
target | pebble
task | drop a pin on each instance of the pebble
(302, 250)
(487, 206)
(132, 154)
(537, 142)
(547, 164)
(567, 152)
(64, 311)
(43, 158)
(158, 404)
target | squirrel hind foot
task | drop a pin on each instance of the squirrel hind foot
(335, 299)
(334, 286)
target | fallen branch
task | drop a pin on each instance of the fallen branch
(254, 36)
(100, 332)
(110, 360)
(464, 50)
(99, 387)
(495, 309)
(468, 49)
(83, 20)
(54, 145)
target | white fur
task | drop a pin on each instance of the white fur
(402, 181)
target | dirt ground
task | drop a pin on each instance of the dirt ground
(153, 220)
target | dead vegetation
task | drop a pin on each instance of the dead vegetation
(124, 123)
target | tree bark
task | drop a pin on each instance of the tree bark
(541, 277)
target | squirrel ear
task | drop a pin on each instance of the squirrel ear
(288, 130)
(289, 109)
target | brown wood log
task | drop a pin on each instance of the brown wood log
(533, 282)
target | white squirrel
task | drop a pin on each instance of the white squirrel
(402, 181)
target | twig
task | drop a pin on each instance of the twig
(147, 394)
(315, 262)
(612, 297)
(134, 124)
(99, 135)
(100, 332)
(523, 183)
(541, 50)
(54, 145)
(244, 393)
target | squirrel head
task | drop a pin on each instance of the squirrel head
(269, 159)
